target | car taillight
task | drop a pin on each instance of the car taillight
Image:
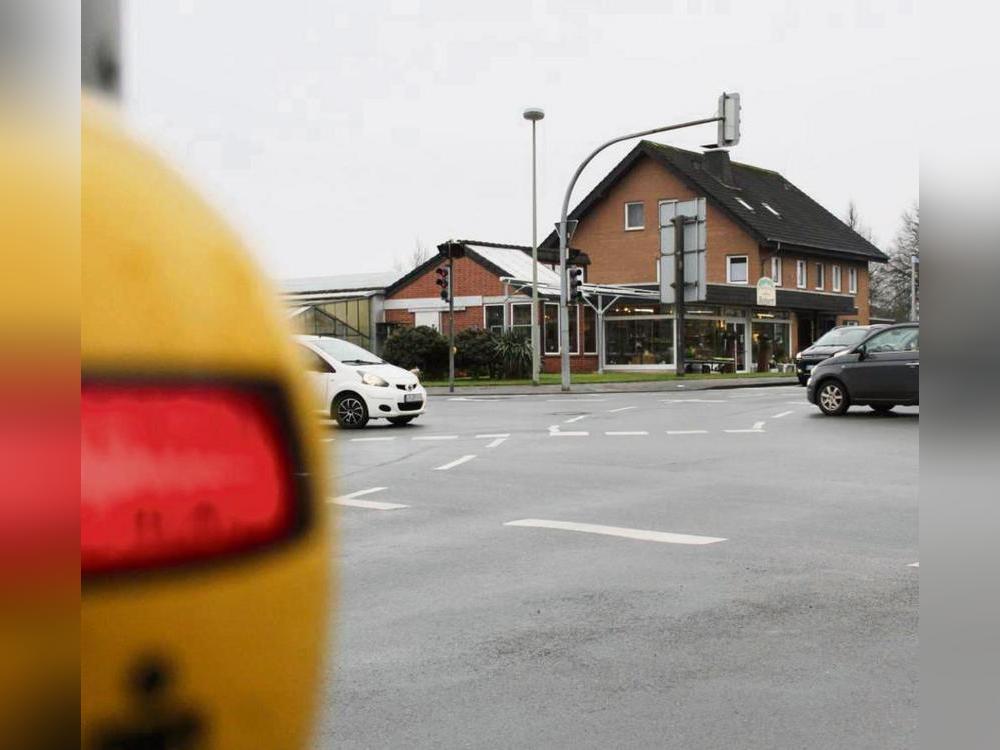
(173, 473)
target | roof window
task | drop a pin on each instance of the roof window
(768, 207)
(745, 205)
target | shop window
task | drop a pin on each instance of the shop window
(736, 269)
(589, 330)
(550, 330)
(800, 274)
(493, 318)
(635, 216)
(639, 341)
(714, 346)
(769, 346)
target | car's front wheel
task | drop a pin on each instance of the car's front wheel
(832, 398)
(400, 421)
(350, 411)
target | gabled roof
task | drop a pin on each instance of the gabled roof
(797, 221)
(499, 259)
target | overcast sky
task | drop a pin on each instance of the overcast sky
(336, 135)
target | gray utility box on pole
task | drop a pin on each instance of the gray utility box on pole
(694, 250)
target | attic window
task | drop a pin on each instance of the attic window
(768, 207)
(745, 205)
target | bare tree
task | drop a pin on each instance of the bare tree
(419, 254)
(852, 217)
(890, 282)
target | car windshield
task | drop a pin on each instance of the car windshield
(346, 352)
(848, 336)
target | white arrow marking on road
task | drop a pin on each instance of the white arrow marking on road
(783, 414)
(622, 408)
(758, 425)
(665, 537)
(456, 462)
(627, 432)
(352, 501)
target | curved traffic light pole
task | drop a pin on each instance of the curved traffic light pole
(564, 243)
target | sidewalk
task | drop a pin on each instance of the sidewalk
(646, 386)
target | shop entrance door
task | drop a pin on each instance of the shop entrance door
(805, 332)
(736, 344)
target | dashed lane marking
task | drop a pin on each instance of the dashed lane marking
(574, 419)
(554, 431)
(687, 432)
(758, 425)
(783, 414)
(436, 437)
(495, 443)
(914, 565)
(622, 408)
(371, 439)
(665, 537)
(352, 501)
(623, 433)
(456, 462)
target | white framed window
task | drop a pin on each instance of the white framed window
(745, 205)
(737, 268)
(635, 216)
(820, 275)
(520, 318)
(493, 318)
(776, 270)
(429, 318)
(800, 274)
(835, 278)
(852, 280)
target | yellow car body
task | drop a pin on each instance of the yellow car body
(221, 653)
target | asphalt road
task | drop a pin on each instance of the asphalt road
(778, 609)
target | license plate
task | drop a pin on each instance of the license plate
(409, 398)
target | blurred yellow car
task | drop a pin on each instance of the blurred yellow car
(204, 542)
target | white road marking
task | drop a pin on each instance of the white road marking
(495, 443)
(758, 425)
(687, 432)
(494, 435)
(568, 434)
(627, 432)
(436, 437)
(352, 501)
(578, 400)
(913, 565)
(574, 419)
(642, 534)
(371, 439)
(783, 414)
(760, 432)
(693, 400)
(456, 462)
(622, 408)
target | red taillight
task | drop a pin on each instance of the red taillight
(175, 473)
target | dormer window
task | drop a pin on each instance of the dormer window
(769, 208)
(745, 205)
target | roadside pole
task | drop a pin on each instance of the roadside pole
(451, 322)
(679, 290)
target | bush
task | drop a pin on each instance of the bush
(476, 353)
(422, 347)
(513, 350)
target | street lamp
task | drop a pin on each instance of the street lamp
(728, 118)
(534, 114)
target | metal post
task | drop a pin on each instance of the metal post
(679, 291)
(913, 287)
(535, 343)
(451, 321)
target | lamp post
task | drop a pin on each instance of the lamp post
(534, 114)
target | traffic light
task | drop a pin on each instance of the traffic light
(444, 282)
(575, 284)
(729, 125)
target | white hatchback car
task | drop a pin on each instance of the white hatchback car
(352, 385)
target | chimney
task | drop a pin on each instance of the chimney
(716, 163)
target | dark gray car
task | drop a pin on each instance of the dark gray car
(835, 340)
(882, 371)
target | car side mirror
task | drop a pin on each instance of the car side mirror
(861, 352)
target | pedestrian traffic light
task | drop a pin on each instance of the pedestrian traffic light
(575, 284)
(444, 282)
